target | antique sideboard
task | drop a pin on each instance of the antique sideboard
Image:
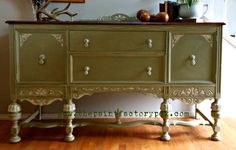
(65, 61)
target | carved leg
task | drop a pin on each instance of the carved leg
(69, 115)
(215, 113)
(165, 108)
(15, 114)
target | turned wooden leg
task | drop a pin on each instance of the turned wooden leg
(215, 113)
(165, 108)
(69, 115)
(15, 114)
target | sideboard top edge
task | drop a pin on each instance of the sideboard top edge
(110, 23)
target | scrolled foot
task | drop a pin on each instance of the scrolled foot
(15, 139)
(165, 137)
(69, 138)
(216, 137)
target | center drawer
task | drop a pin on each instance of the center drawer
(117, 41)
(116, 69)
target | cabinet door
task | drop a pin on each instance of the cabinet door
(41, 56)
(192, 57)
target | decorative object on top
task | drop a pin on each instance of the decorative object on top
(172, 10)
(73, 1)
(145, 16)
(190, 8)
(163, 16)
(118, 17)
(189, 2)
(42, 14)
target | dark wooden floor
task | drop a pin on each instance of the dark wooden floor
(135, 138)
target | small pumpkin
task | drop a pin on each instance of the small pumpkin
(143, 15)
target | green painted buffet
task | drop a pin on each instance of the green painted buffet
(65, 61)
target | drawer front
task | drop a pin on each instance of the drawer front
(117, 41)
(193, 58)
(41, 57)
(116, 69)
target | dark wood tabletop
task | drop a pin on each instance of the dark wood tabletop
(95, 22)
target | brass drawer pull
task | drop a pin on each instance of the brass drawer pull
(86, 70)
(193, 60)
(42, 59)
(149, 70)
(86, 42)
(149, 43)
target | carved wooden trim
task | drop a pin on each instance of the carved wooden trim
(40, 95)
(191, 95)
(41, 101)
(209, 39)
(14, 108)
(23, 38)
(69, 107)
(40, 92)
(175, 39)
(59, 38)
(78, 92)
(189, 100)
(192, 92)
(118, 17)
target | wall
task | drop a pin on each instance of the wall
(92, 9)
(231, 17)
(223, 10)
(228, 80)
(9, 9)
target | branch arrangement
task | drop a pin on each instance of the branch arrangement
(53, 15)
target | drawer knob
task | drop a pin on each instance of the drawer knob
(86, 70)
(149, 43)
(149, 70)
(193, 60)
(42, 59)
(86, 42)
